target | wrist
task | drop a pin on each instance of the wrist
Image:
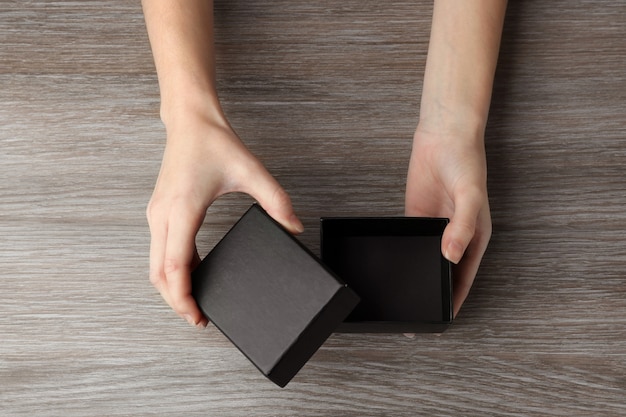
(179, 109)
(470, 130)
(453, 117)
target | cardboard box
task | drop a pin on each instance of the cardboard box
(270, 295)
(396, 267)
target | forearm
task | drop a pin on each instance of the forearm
(461, 62)
(181, 37)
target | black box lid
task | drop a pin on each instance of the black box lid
(270, 295)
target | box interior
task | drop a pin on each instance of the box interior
(396, 267)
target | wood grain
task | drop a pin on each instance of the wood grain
(326, 93)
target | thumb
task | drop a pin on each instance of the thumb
(274, 199)
(461, 229)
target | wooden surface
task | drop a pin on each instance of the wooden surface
(327, 94)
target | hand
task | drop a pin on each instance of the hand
(448, 178)
(202, 161)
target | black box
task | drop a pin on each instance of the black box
(396, 267)
(270, 296)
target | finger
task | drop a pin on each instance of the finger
(158, 232)
(274, 199)
(180, 255)
(465, 272)
(460, 231)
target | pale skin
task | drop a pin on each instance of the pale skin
(204, 158)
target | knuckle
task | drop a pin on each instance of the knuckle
(280, 197)
(472, 192)
(149, 210)
(171, 266)
(152, 210)
(466, 231)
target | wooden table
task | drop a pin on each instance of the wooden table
(326, 93)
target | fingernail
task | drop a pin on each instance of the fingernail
(453, 253)
(296, 223)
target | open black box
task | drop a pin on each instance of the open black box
(396, 267)
(270, 295)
